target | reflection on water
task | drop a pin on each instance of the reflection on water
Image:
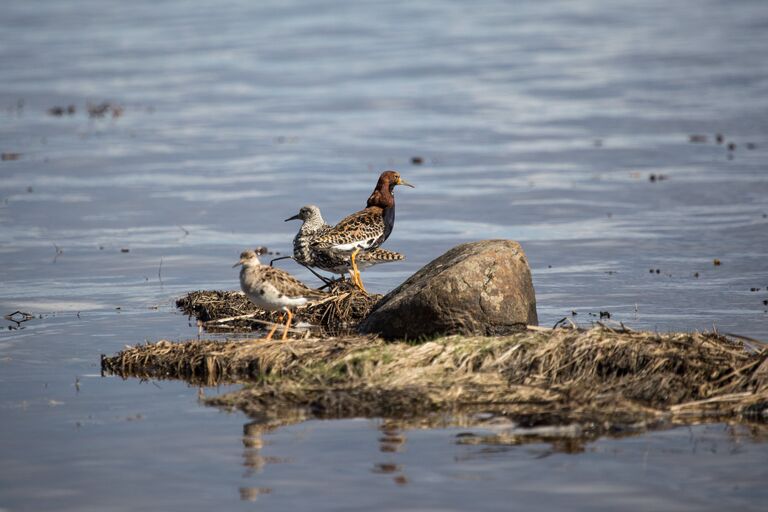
(392, 441)
(537, 121)
(487, 454)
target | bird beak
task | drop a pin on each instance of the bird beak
(295, 217)
(401, 181)
(237, 264)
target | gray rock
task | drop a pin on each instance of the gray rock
(475, 288)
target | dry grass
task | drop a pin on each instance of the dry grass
(596, 375)
(230, 311)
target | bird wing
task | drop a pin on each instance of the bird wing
(364, 229)
(288, 285)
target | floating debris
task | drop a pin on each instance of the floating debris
(104, 108)
(657, 177)
(10, 156)
(19, 317)
(697, 139)
(59, 252)
(417, 160)
(719, 138)
(60, 111)
(716, 262)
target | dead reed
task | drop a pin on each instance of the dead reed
(230, 311)
(597, 375)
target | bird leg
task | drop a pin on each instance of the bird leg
(272, 261)
(356, 273)
(272, 332)
(287, 325)
(355, 280)
(322, 278)
(332, 282)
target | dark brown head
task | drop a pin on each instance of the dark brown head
(382, 195)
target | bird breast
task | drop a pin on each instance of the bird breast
(265, 295)
(301, 251)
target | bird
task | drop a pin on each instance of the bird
(364, 230)
(312, 226)
(273, 289)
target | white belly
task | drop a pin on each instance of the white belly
(266, 296)
(351, 246)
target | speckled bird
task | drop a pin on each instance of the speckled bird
(314, 226)
(364, 230)
(273, 289)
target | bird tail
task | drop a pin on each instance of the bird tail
(381, 256)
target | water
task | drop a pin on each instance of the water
(537, 121)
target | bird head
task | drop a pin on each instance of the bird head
(390, 179)
(306, 213)
(248, 258)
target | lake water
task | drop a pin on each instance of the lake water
(542, 122)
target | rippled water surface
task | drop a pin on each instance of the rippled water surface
(543, 122)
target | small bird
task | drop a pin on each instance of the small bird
(273, 289)
(364, 230)
(313, 226)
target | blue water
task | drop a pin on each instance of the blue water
(536, 121)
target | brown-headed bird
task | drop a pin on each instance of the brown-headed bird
(364, 230)
(314, 226)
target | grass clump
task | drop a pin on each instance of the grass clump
(599, 375)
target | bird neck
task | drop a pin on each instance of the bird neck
(382, 195)
(252, 263)
(312, 225)
(389, 220)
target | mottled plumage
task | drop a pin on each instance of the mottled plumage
(273, 289)
(364, 230)
(307, 253)
(312, 225)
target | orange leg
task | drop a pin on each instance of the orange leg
(360, 283)
(272, 332)
(287, 325)
(356, 273)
